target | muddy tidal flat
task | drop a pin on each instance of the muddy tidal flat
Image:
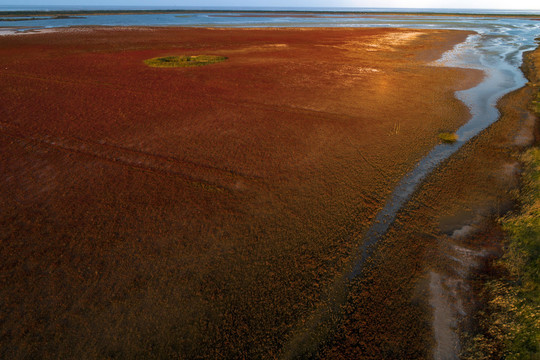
(213, 211)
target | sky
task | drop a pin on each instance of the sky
(432, 4)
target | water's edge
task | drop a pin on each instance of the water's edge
(481, 101)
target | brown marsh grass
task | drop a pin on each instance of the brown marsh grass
(200, 212)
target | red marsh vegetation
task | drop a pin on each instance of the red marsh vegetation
(451, 228)
(200, 212)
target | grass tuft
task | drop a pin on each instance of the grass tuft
(184, 60)
(448, 137)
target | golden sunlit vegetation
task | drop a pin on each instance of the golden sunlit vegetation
(448, 137)
(184, 61)
(510, 323)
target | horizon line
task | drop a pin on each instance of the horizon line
(233, 7)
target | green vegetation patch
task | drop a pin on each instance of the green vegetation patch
(448, 137)
(523, 263)
(510, 323)
(184, 60)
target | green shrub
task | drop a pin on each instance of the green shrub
(184, 60)
(448, 137)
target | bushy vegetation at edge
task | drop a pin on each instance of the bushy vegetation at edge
(510, 323)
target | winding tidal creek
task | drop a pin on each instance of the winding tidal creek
(496, 48)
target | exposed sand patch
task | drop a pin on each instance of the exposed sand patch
(443, 323)
(450, 296)
(525, 135)
(4, 31)
(462, 232)
(18, 31)
(510, 169)
(80, 29)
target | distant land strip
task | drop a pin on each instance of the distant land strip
(276, 12)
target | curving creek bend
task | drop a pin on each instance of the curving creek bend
(497, 49)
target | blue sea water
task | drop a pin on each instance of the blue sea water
(326, 17)
(262, 8)
(228, 18)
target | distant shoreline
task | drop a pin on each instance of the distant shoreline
(260, 12)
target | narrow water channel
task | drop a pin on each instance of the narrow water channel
(496, 49)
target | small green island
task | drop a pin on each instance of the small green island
(184, 61)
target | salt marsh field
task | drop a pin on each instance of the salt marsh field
(292, 200)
